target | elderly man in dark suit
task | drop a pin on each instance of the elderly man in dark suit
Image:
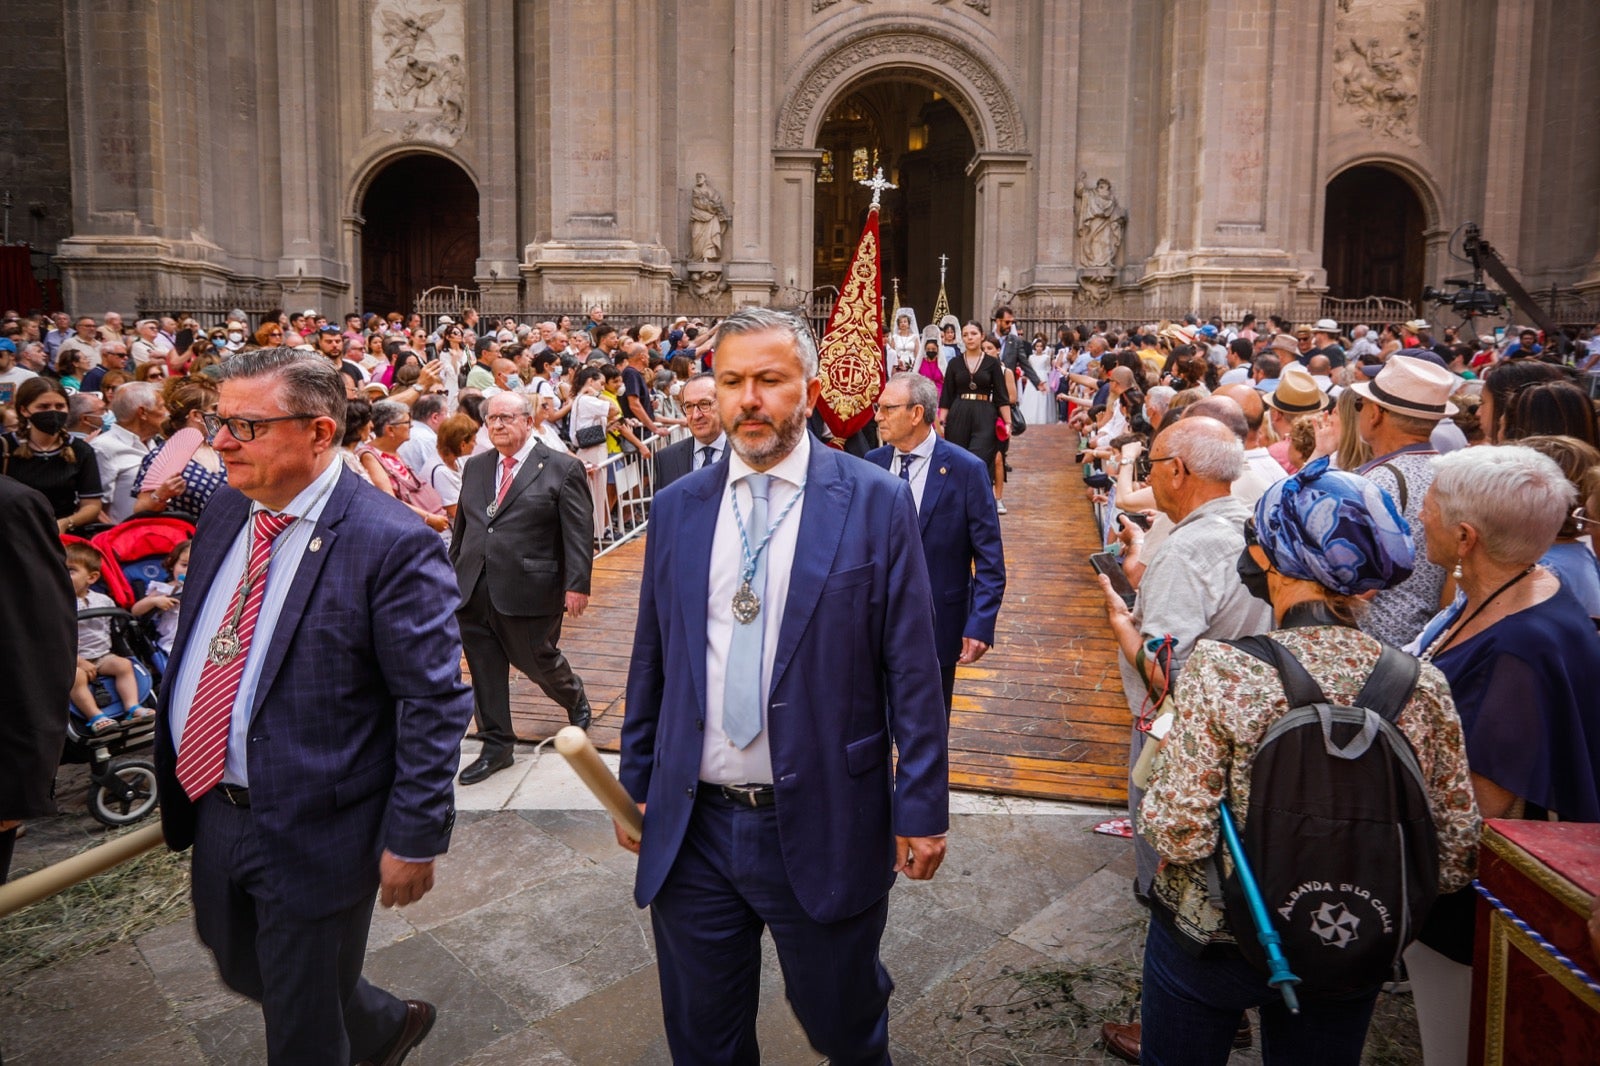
(784, 649)
(310, 720)
(522, 555)
(706, 444)
(956, 516)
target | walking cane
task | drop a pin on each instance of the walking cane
(1281, 978)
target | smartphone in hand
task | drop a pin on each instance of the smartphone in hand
(1106, 563)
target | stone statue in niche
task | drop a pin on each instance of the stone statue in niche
(1102, 222)
(708, 219)
(419, 70)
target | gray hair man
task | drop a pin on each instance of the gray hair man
(318, 630)
(791, 583)
(1190, 589)
(120, 450)
(959, 524)
(706, 445)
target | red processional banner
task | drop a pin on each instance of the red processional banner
(851, 356)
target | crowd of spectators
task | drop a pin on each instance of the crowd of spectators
(89, 405)
(1344, 492)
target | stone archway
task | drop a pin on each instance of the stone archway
(993, 174)
(927, 54)
(419, 228)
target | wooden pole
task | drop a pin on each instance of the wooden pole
(575, 746)
(52, 879)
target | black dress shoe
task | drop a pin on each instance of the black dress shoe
(419, 1020)
(580, 714)
(485, 766)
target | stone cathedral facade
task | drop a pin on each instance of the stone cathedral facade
(1072, 153)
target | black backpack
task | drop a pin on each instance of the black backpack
(1339, 831)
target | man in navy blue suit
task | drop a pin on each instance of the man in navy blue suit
(957, 519)
(311, 720)
(784, 645)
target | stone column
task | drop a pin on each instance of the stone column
(138, 218)
(493, 130)
(1057, 150)
(748, 249)
(309, 267)
(1001, 183)
(1505, 156)
(603, 125)
(794, 198)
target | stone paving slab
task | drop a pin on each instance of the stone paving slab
(535, 953)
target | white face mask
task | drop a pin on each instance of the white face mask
(236, 336)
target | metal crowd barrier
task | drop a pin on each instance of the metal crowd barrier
(634, 475)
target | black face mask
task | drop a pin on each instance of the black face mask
(49, 423)
(1254, 576)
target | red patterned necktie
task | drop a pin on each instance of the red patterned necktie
(205, 732)
(510, 464)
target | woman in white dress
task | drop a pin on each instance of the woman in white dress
(589, 408)
(1035, 403)
(904, 349)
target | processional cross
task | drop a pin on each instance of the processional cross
(877, 183)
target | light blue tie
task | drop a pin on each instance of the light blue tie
(742, 695)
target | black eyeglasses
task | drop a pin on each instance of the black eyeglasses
(1164, 459)
(243, 430)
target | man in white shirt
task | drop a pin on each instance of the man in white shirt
(784, 647)
(421, 450)
(84, 340)
(148, 347)
(119, 450)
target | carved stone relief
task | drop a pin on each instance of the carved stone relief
(1377, 64)
(419, 77)
(980, 6)
(866, 47)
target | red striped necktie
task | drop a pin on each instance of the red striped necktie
(205, 732)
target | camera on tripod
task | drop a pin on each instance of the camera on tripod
(1469, 298)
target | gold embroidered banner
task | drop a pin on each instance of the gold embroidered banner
(851, 357)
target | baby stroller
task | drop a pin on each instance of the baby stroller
(122, 786)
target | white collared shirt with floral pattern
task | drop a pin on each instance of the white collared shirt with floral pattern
(1226, 700)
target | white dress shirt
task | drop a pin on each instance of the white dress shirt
(421, 450)
(119, 452)
(287, 552)
(720, 762)
(921, 460)
(718, 446)
(521, 457)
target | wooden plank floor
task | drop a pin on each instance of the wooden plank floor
(1041, 715)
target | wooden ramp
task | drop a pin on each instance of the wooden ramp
(1041, 715)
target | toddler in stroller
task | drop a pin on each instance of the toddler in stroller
(95, 657)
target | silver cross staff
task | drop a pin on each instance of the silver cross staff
(877, 183)
(943, 259)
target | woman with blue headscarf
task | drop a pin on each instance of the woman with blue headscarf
(1321, 543)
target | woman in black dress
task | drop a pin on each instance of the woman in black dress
(44, 456)
(975, 394)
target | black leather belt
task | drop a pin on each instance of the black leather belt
(743, 795)
(234, 794)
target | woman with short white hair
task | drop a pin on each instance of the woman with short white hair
(1521, 655)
